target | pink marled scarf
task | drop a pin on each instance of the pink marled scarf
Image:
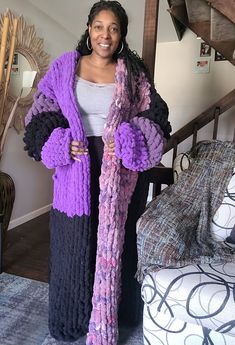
(116, 187)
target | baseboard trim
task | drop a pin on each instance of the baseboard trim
(21, 220)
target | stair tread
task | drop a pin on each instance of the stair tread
(221, 27)
(202, 29)
(198, 10)
(227, 8)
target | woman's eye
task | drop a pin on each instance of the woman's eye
(98, 27)
(114, 29)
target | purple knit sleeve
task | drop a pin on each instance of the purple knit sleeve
(56, 150)
(139, 144)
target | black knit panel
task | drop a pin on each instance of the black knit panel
(72, 266)
(158, 112)
(131, 305)
(39, 129)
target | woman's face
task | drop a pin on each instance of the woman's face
(105, 34)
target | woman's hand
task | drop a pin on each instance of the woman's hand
(77, 149)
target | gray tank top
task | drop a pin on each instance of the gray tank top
(94, 101)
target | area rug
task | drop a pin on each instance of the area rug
(23, 311)
(24, 315)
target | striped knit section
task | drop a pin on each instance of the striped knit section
(39, 129)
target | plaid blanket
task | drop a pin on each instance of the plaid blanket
(175, 228)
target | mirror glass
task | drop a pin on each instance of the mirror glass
(19, 65)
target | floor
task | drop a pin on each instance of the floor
(27, 249)
(26, 254)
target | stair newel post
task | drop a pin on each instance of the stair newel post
(175, 147)
(195, 130)
(216, 122)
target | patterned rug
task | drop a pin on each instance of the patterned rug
(24, 313)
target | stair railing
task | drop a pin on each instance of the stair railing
(210, 114)
(162, 175)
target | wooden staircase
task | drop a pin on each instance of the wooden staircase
(214, 22)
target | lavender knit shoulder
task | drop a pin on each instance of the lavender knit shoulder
(41, 104)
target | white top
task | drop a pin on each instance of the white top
(94, 101)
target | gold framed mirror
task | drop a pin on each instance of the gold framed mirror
(29, 55)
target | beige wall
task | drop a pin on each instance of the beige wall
(73, 17)
(188, 93)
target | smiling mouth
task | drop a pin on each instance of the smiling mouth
(102, 45)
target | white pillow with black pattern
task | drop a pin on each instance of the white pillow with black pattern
(181, 163)
(224, 218)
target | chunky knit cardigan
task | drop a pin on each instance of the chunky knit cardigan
(140, 130)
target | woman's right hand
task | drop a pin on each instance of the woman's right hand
(77, 149)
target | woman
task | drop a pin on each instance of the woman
(98, 121)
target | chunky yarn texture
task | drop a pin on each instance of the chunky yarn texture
(40, 129)
(139, 144)
(55, 152)
(72, 197)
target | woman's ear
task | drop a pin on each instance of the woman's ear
(89, 29)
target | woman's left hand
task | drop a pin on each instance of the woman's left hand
(77, 149)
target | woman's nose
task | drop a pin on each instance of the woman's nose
(106, 33)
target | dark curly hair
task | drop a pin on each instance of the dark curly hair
(133, 62)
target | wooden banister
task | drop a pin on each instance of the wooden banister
(202, 120)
